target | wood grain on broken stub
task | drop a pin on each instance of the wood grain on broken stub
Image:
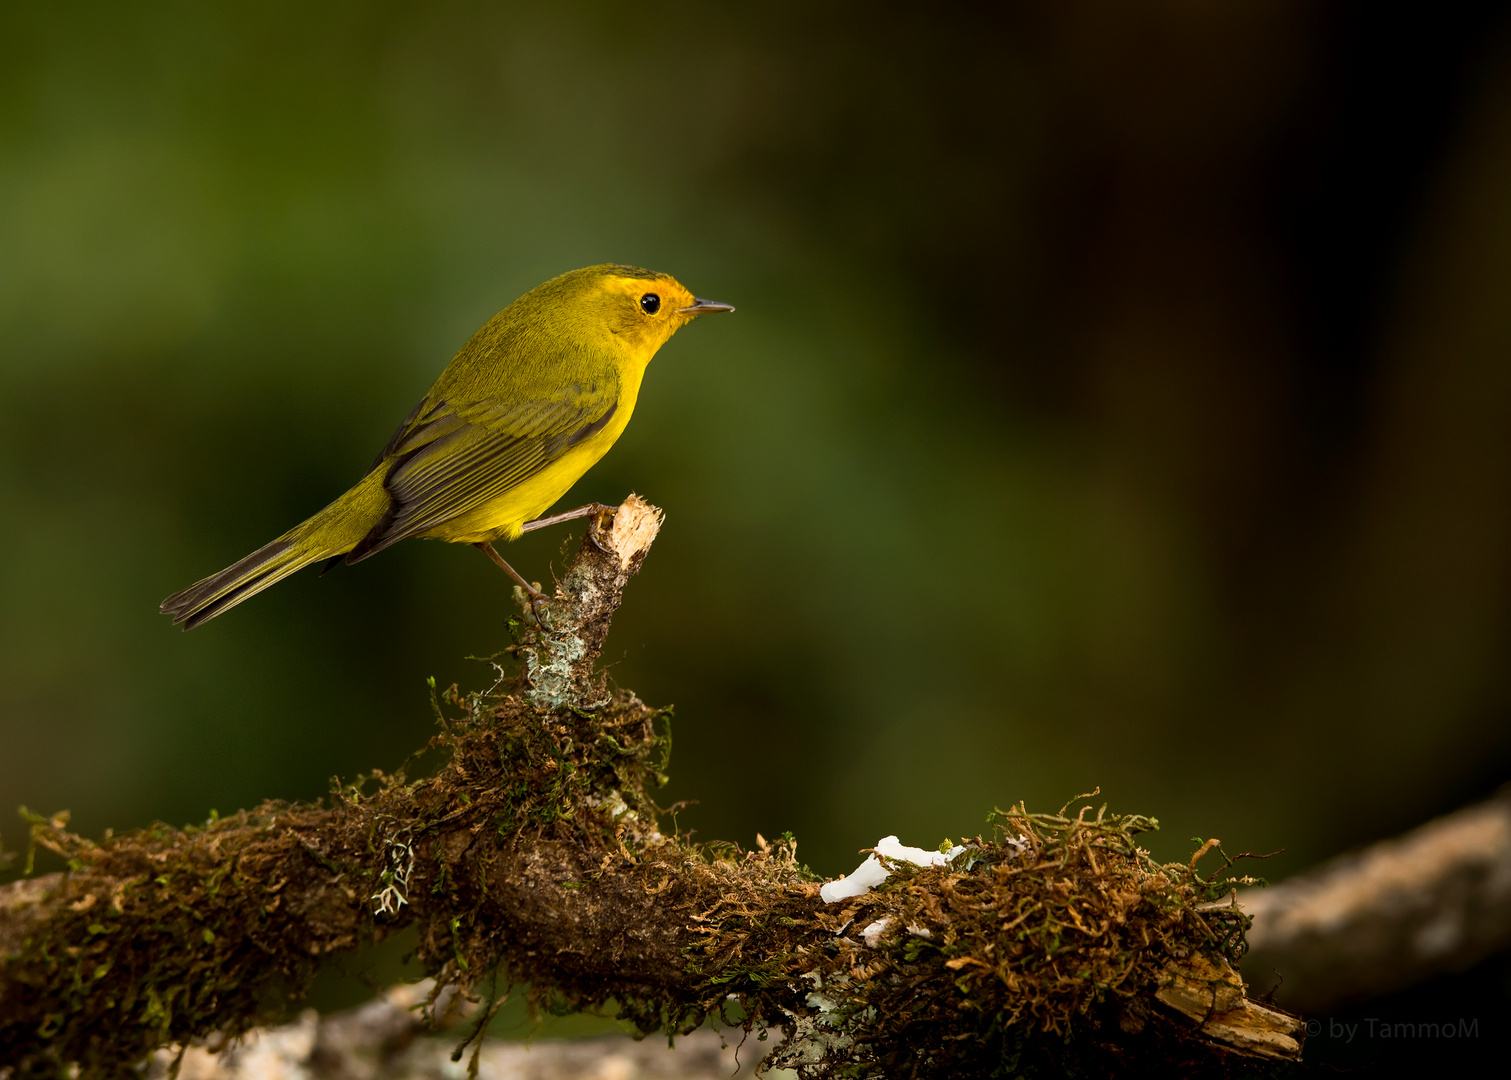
(1212, 994)
(636, 523)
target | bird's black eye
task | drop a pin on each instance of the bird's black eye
(650, 303)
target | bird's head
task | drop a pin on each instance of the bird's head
(634, 310)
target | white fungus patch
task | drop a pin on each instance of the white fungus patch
(871, 935)
(873, 871)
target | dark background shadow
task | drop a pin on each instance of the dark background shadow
(1119, 395)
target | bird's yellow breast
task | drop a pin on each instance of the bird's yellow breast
(503, 518)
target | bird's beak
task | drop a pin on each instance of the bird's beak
(704, 307)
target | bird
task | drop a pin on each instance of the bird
(529, 404)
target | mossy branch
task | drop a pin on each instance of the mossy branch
(534, 850)
(1435, 900)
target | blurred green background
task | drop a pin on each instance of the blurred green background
(1119, 395)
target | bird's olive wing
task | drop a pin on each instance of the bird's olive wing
(448, 459)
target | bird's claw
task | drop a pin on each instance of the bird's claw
(536, 598)
(595, 524)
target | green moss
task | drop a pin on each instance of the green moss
(1051, 928)
(531, 851)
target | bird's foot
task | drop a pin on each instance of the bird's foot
(603, 518)
(536, 598)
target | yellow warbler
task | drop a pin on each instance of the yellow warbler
(530, 404)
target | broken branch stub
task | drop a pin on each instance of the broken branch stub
(534, 850)
(560, 655)
(162, 936)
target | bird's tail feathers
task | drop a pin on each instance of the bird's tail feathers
(332, 532)
(266, 566)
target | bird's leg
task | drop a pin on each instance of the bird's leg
(535, 595)
(592, 510)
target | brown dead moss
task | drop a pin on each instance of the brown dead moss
(1045, 940)
(533, 850)
(161, 935)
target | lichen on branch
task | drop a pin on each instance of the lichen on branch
(533, 854)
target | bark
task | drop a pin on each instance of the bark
(387, 1039)
(531, 853)
(1435, 900)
